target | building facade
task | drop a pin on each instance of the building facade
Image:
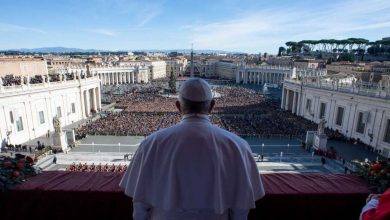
(357, 111)
(273, 74)
(27, 111)
(22, 67)
(348, 68)
(112, 75)
(156, 69)
(175, 66)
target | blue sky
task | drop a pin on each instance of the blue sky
(233, 25)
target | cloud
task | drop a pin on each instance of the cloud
(148, 18)
(266, 30)
(106, 32)
(16, 28)
(148, 13)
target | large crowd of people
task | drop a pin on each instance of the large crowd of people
(240, 110)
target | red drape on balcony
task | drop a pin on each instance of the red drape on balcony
(78, 195)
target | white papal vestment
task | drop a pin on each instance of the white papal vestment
(193, 170)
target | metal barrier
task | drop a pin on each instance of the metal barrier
(99, 147)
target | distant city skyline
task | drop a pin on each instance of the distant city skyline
(246, 26)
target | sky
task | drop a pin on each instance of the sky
(251, 26)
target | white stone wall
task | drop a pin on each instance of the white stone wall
(175, 66)
(225, 70)
(158, 70)
(295, 97)
(28, 100)
(23, 68)
(272, 74)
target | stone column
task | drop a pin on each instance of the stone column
(132, 77)
(282, 105)
(238, 77)
(294, 102)
(94, 104)
(299, 103)
(146, 77)
(87, 103)
(262, 77)
(245, 77)
(82, 100)
(100, 98)
(287, 99)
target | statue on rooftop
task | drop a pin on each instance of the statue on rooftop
(57, 124)
(321, 126)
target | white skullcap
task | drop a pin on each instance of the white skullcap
(196, 90)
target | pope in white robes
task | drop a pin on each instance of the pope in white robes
(193, 170)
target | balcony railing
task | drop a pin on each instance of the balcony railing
(370, 90)
(90, 195)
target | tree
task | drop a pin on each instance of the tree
(172, 82)
(292, 45)
(282, 51)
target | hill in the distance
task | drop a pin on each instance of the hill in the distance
(78, 50)
(54, 50)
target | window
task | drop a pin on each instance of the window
(73, 108)
(41, 117)
(59, 112)
(360, 125)
(322, 110)
(387, 132)
(19, 124)
(308, 105)
(340, 116)
(11, 116)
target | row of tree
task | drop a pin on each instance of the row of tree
(357, 46)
